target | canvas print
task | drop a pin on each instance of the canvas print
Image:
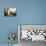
(9, 11)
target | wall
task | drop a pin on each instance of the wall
(28, 12)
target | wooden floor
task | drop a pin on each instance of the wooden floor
(30, 43)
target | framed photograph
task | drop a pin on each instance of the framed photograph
(9, 11)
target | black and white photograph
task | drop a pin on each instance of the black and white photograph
(9, 11)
